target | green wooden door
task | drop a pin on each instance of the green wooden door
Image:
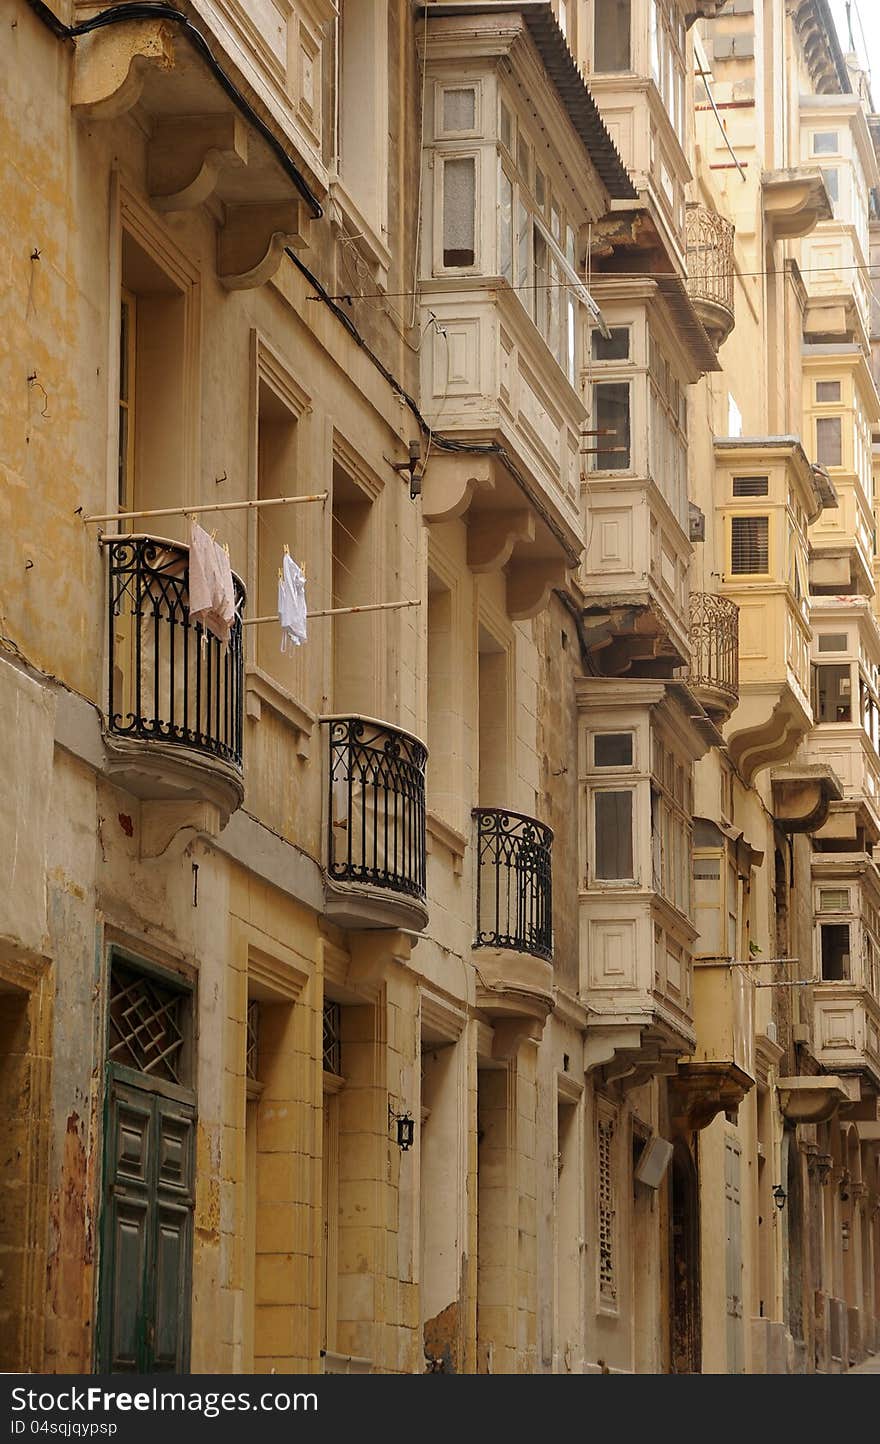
(147, 1231)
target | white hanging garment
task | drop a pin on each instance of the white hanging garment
(291, 604)
(211, 592)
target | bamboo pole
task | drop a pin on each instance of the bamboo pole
(337, 611)
(216, 506)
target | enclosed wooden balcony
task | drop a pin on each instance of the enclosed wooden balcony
(722, 1068)
(846, 998)
(174, 718)
(375, 850)
(710, 270)
(514, 922)
(713, 676)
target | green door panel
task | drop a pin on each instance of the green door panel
(146, 1264)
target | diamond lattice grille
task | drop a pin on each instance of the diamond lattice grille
(146, 1025)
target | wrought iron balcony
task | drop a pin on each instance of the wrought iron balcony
(514, 894)
(172, 684)
(714, 669)
(376, 848)
(710, 270)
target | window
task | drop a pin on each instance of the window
(613, 813)
(831, 177)
(833, 900)
(507, 129)
(332, 1039)
(749, 544)
(829, 441)
(827, 390)
(832, 641)
(148, 1024)
(613, 347)
(667, 41)
(127, 353)
(607, 1205)
(613, 749)
(611, 36)
(825, 142)
(459, 111)
(358, 51)
(611, 417)
(832, 701)
(835, 951)
(532, 230)
(751, 486)
(459, 211)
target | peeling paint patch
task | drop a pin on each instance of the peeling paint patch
(442, 1341)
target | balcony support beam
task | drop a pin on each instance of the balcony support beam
(186, 156)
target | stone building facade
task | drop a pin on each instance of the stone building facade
(491, 984)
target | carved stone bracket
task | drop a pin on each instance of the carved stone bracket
(165, 822)
(450, 483)
(700, 1091)
(529, 585)
(492, 538)
(251, 243)
(186, 156)
(110, 66)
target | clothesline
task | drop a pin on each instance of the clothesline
(216, 506)
(338, 611)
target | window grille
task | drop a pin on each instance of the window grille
(332, 1040)
(252, 1056)
(146, 1024)
(607, 1241)
(749, 544)
(751, 486)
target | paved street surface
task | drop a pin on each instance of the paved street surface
(870, 1366)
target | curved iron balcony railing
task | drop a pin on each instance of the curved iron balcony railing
(714, 637)
(514, 892)
(376, 803)
(171, 681)
(710, 269)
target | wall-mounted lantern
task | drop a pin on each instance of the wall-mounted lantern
(406, 1128)
(779, 1196)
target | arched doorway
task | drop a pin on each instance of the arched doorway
(684, 1263)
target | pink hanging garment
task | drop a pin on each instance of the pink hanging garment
(211, 592)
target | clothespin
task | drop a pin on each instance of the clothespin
(280, 577)
(214, 534)
(286, 550)
(226, 548)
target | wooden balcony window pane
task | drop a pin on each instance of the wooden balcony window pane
(827, 390)
(833, 694)
(614, 840)
(459, 211)
(611, 414)
(459, 109)
(505, 227)
(611, 36)
(749, 537)
(614, 347)
(829, 444)
(613, 749)
(835, 951)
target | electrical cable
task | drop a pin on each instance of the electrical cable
(153, 10)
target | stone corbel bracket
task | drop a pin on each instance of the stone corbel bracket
(110, 66)
(251, 244)
(167, 827)
(450, 482)
(187, 156)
